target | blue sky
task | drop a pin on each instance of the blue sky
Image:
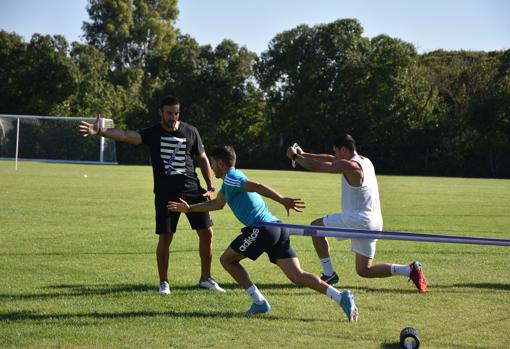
(428, 25)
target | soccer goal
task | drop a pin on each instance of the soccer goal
(53, 139)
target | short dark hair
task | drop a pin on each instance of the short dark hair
(226, 153)
(345, 140)
(167, 100)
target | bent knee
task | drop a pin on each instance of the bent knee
(227, 259)
(224, 260)
(363, 272)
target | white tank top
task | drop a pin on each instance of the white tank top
(360, 205)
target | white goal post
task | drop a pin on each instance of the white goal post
(53, 139)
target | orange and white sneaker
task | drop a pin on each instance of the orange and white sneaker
(418, 277)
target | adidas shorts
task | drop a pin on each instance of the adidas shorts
(253, 241)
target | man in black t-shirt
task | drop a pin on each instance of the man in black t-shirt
(174, 145)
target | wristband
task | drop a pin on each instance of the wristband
(211, 189)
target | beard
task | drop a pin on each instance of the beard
(169, 124)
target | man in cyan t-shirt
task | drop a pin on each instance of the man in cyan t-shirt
(244, 198)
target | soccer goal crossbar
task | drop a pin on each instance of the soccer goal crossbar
(308, 230)
(105, 146)
(36, 117)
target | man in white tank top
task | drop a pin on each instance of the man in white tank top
(361, 209)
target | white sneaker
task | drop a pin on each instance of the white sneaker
(164, 288)
(210, 284)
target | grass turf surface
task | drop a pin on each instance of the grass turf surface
(77, 266)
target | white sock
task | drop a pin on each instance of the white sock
(398, 269)
(334, 294)
(255, 294)
(327, 266)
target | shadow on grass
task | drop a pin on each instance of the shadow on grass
(153, 287)
(486, 285)
(452, 288)
(81, 253)
(380, 290)
(33, 316)
(78, 290)
(394, 345)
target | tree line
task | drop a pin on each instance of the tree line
(437, 113)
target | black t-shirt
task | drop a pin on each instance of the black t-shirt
(172, 155)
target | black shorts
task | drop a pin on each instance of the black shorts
(253, 241)
(166, 221)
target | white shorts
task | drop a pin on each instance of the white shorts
(365, 247)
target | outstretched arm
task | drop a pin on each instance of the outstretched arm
(211, 205)
(116, 134)
(320, 157)
(337, 166)
(319, 162)
(289, 203)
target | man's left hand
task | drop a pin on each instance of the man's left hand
(182, 206)
(293, 204)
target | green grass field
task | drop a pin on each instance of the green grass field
(77, 267)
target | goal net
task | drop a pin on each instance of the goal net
(53, 139)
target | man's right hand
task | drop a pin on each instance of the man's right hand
(90, 129)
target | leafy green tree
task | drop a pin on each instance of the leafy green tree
(217, 92)
(98, 94)
(490, 118)
(95, 92)
(45, 75)
(40, 76)
(130, 31)
(401, 106)
(460, 77)
(12, 53)
(328, 79)
(312, 78)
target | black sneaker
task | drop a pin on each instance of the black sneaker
(330, 279)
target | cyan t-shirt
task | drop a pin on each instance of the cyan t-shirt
(248, 207)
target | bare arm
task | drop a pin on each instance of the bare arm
(205, 168)
(211, 205)
(128, 136)
(318, 162)
(318, 157)
(116, 134)
(337, 166)
(288, 203)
